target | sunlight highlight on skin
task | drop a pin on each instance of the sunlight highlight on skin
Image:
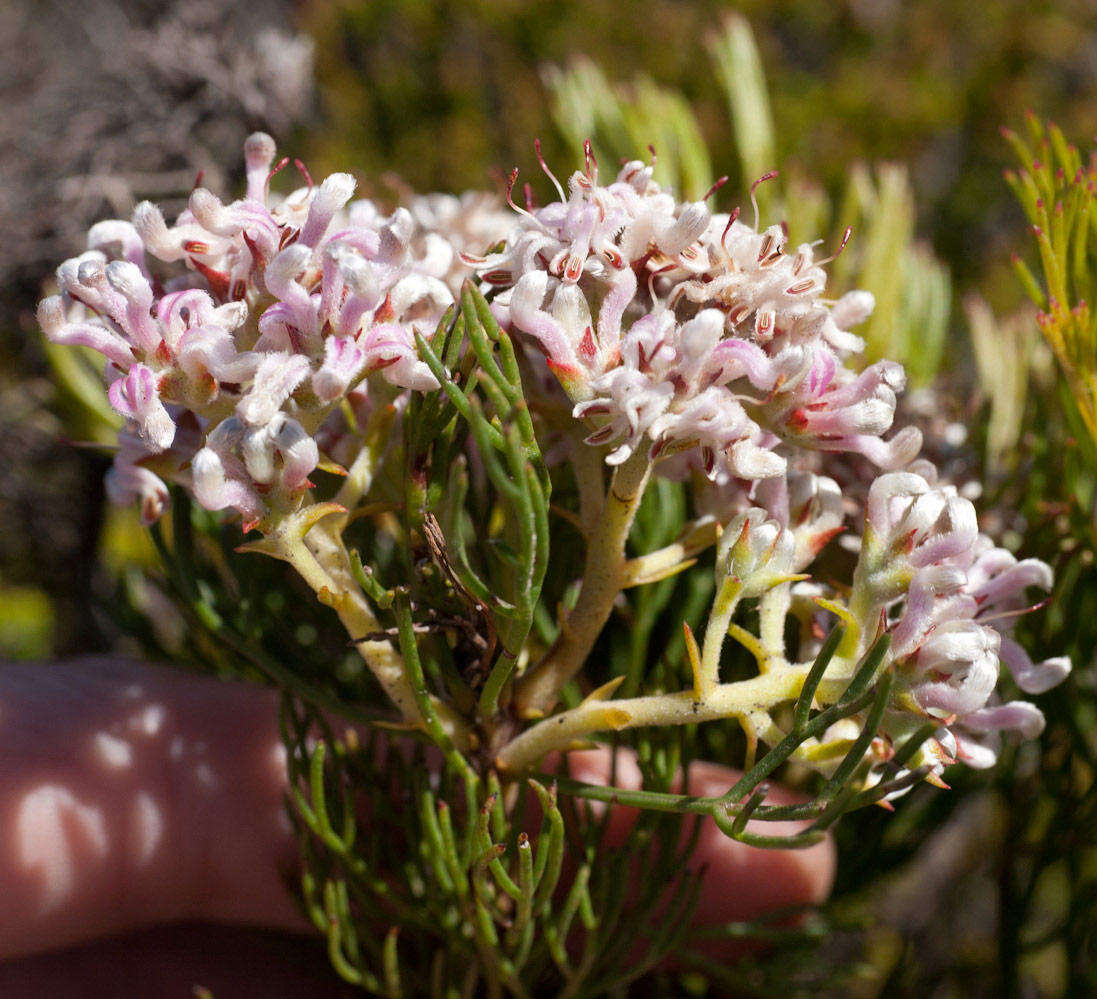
(114, 752)
(56, 833)
(148, 828)
(89, 848)
(149, 720)
(102, 775)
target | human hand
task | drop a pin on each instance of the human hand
(142, 827)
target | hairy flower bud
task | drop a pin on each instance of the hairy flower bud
(756, 551)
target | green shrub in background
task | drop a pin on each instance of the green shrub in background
(450, 91)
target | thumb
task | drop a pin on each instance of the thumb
(741, 882)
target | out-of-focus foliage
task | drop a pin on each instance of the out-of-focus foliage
(993, 887)
(911, 287)
(1058, 191)
(1005, 386)
(622, 124)
(444, 93)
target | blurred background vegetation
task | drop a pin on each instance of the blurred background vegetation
(882, 115)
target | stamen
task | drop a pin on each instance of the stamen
(601, 436)
(731, 221)
(653, 274)
(767, 243)
(588, 153)
(510, 194)
(753, 196)
(615, 258)
(258, 259)
(715, 187)
(548, 173)
(276, 169)
(303, 171)
(837, 253)
(1002, 615)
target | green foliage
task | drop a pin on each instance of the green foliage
(26, 619)
(513, 562)
(1049, 872)
(422, 90)
(911, 287)
(479, 904)
(743, 801)
(1058, 193)
(428, 870)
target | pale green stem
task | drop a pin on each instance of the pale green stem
(384, 661)
(865, 610)
(314, 563)
(674, 557)
(729, 700)
(773, 607)
(723, 610)
(603, 580)
(589, 467)
(323, 563)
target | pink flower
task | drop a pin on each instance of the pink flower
(128, 481)
(343, 361)
(269, 307)
(950, 598)
(583, 275)
(137, 398)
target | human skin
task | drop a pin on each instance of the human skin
(144, 846)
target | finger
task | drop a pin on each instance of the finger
(139, 795)
(740, 882)
(169, 962)
(134, 795)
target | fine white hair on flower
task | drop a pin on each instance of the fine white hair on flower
(246, 342)
(671, 328)
(269, 308)
(949, 598)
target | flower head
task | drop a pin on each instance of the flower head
(248, 321)
(673, 329)
(949, 598)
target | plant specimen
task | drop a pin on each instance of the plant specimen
(556, 475)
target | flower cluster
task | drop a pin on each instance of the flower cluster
(673, 329)
(231, 335)
(245, 342)
(949, 597)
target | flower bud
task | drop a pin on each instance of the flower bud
(755, 550)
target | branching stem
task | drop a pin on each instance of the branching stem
(310, 542)
(603, 579)
(728, 700)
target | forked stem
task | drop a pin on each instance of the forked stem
(729, 700)
(603, 579)
(309, 541)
